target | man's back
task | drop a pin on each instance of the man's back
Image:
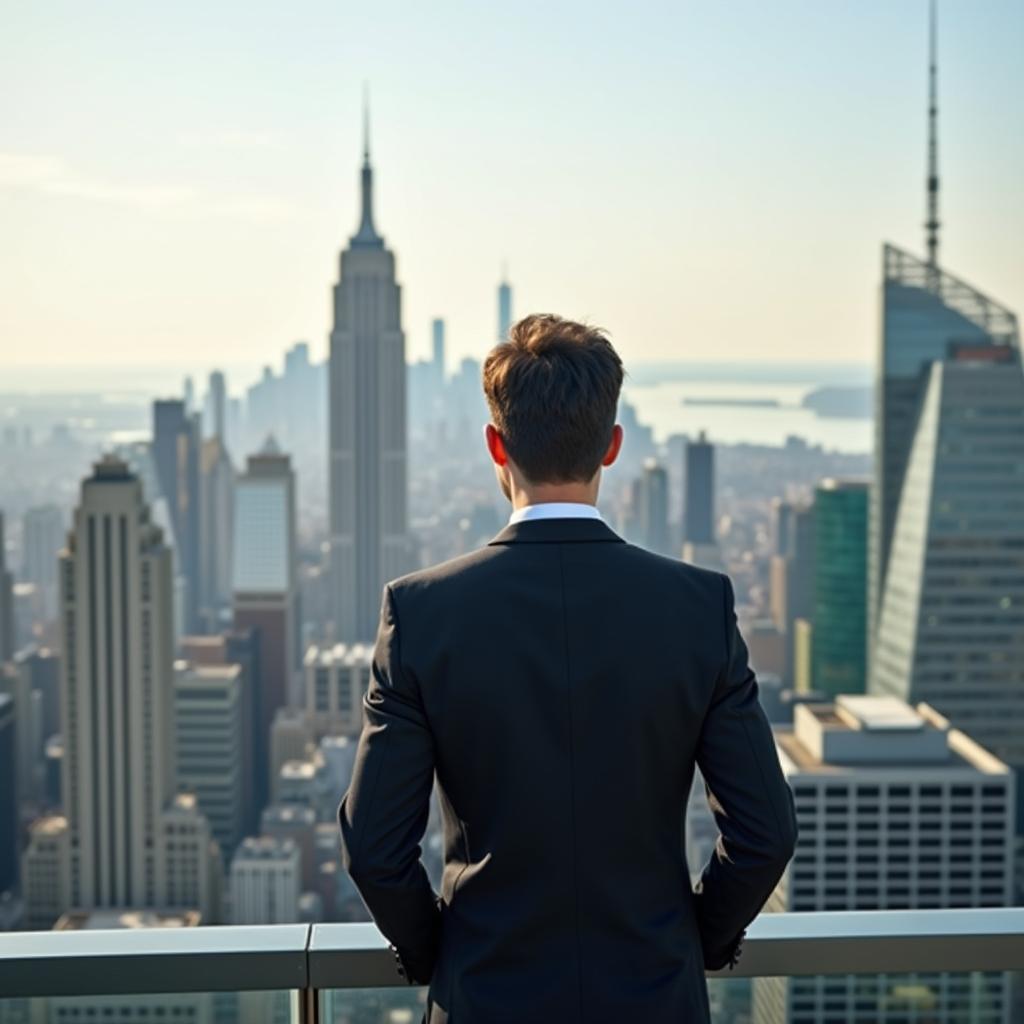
(563, 684)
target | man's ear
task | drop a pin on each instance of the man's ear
(614, 447)
(495, 445)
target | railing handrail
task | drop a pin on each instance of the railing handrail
(241, 958)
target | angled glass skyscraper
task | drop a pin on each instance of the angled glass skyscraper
(367, 472)
(925, 312)
(951, 624)
(946, 565)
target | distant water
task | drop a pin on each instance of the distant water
(662, 407)
(657, 389)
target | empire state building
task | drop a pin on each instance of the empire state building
(367, 472)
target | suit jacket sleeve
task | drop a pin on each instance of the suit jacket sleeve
(750, 800)
(384, 813)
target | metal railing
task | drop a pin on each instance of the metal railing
(312, 958)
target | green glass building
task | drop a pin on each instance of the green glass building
(838, 652)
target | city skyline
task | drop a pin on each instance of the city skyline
(730, 228)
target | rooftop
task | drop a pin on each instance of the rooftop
(117, 918)
(858, 733)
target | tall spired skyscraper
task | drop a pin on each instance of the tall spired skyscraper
(367, 472)
(925, 311)
(947, 510)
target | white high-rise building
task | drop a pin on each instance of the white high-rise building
(896, 810)
(209, 705)
(336, 679)
(265, 881)
(117, 706)
(367, 472)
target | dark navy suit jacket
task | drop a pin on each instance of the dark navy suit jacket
(561, 685)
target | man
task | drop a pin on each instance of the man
(562, 684)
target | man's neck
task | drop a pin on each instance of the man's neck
(563, 494)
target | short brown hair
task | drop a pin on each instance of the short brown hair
(553, 390)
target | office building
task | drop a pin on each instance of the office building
(290, 740)
(265, 882)
(8, 794)
(45, 864)
(951, 625)
(504, 307)
(367, 470)
(297, 823)
(699, 492)
(217, 397)
(896, 810)
(264, 577)
(194, 872)
(42, 538)
(183, 1007)
(653, 508)
(16, 684)
(336, 680)
(117, 688)
(8, 639)
(839, 642)
(238, 649)
(176, 443)
(40, 668)
(216, 522)
(793, 581)
(438, 354)
(209, 745)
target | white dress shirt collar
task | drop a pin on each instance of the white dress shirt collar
(554, 510)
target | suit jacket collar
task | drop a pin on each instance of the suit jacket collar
(557, 531)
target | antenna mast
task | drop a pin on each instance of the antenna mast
(932, 223)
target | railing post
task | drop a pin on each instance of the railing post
(309, 1006)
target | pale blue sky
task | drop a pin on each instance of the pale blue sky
(707, 180)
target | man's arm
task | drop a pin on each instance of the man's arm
(751, 802)
(384, 813)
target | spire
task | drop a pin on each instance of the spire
(367, 234)
(932, 223)
(366, 125)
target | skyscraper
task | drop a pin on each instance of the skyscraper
(699, 496)
(7, 639)
(209, 745)
(947, 512)
(176, 441)
(43, 533)
(117, 687)
(265, 582)
(838, 659)
(437, 349)
(654, 508)
(218, 396)
(8, 794)
(925, 310)
(367, 471)
(504, 306)
(216, 522)
(949, 631)
(896, 810)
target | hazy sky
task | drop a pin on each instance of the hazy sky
(707, 180)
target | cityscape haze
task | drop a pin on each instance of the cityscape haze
(243, 328)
